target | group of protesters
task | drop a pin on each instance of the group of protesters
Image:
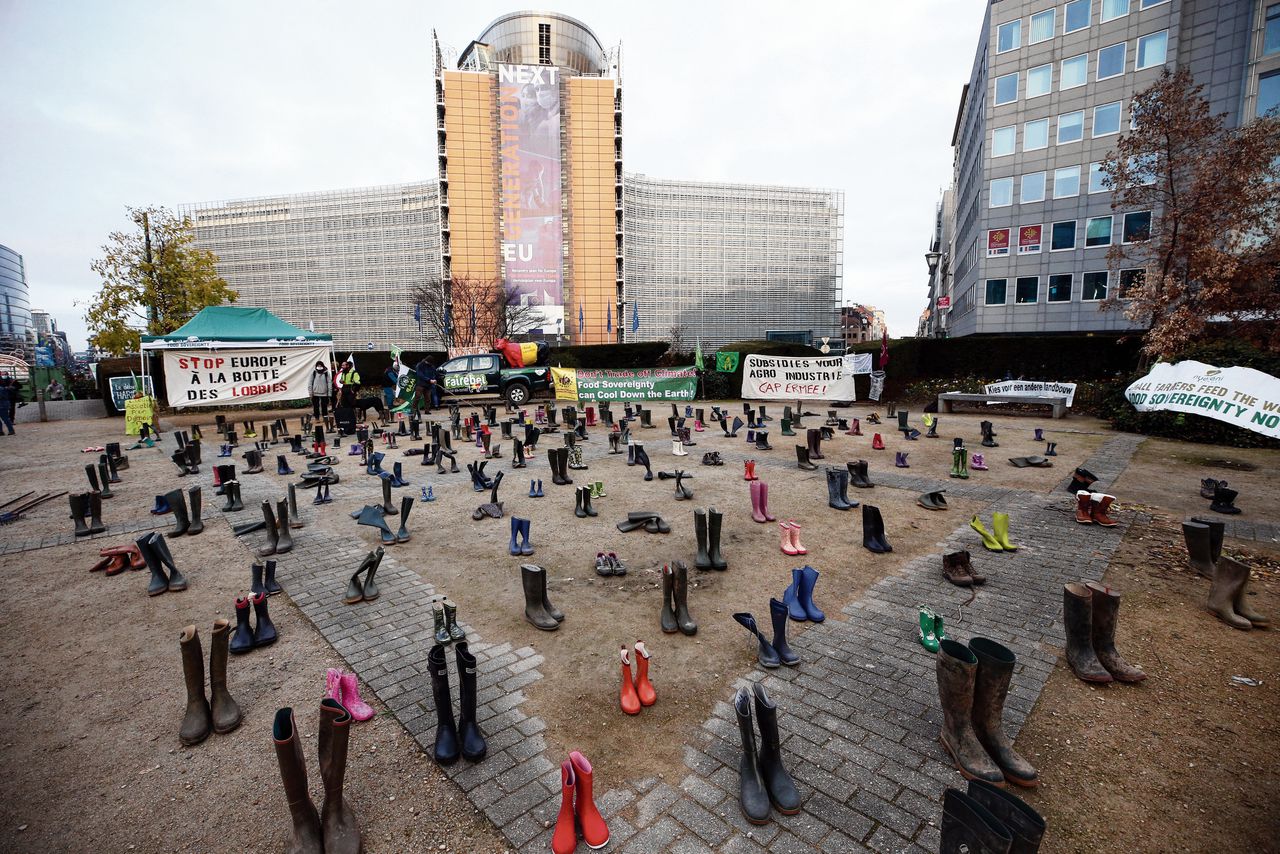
(340, 386)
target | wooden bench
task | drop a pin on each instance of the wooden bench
(1058, 403)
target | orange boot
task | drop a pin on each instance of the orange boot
(1100, 505)
(565, 838)
(644, 688)
(630, 701)
(594, 831)
(1083, 512)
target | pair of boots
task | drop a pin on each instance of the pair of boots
(375, 516)
(520, 544)
(253, 462)
(773, 653)
(798, 597)
(999, 541)
(765, 782)
(364, 589)
(900, 460)
(989, 819)
(1092, 507)
(760, 502)
(334, 830)
(988, 435)
(860, 474)
(262, 579)
(873, 536)
(638, 691)
(116, 559)
(979, 462)
(1230, 577)
(1224, 500)
(577, 807)
(444, 619)
(959, 462)
(218, 711)
(1089, 615)
(263, 632)
(582, 503)
(463, 735)
(675, 600)
(838, 489)
(187, 523)
(707, 525)
(558, 459)
(790, 544)
(100, 479)
(165, 576)
(932, 500)
(235, 503)
(279, 540)
(802, 458)
(575, 461)
(538, 610)
(973, 682)
(877, 443)
(957, 568)
(86, 512)
(749, 470)
(650, 520)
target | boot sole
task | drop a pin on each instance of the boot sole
(964, 773)
(756, 821)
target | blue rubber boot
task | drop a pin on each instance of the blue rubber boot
(791, 598)
(514, 547)
(809, 580)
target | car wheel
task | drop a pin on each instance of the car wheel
(517, 394)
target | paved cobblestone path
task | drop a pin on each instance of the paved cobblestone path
(859, 716)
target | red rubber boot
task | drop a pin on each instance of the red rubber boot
(594, 831)
(644, 688)
(629, 699)
(565, 839)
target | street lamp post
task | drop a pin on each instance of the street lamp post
(931, 258)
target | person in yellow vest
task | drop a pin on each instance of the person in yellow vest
(350, 384)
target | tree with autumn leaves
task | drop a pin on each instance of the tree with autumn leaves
(1213, 254)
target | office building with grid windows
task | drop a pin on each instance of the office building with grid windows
(530, 194)
(1047, 98)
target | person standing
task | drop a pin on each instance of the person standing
(390, 384)
(319, 388)
(54, 390)
(350, 383)
(6, 400)
(428, 385)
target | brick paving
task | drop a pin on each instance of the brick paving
(859, 716)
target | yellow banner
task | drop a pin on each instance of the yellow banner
(566, 382)
(139, 411)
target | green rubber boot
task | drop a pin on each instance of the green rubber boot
(928, 635)
(962, 463)
(786, 427)
(1000, 523)
(989, 541)
(955, 462)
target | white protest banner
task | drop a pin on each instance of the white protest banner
(1240, 396)
(857, 363)
(796, 378)
(240, 376)
(1029, 388)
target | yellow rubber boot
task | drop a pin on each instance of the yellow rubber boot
(987, 540)
(1000, 522)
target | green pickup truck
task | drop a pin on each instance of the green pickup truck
(487, 374)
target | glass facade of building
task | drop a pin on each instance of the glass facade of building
(730, 261)
(16, 333)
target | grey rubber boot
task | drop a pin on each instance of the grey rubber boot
(668, 616)
(223, 708)
(196, 722)
(753, 797)
(196, 495)
(957, 669)
(990, 689)
(1199, 549)
(1229, 581)
(406, 504)
(680, 599)
(534, 581)
(95, 513)
(177, 501)
(1077, 619)
(79, 512)
(273, 531)
(284, 542)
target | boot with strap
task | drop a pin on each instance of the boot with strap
(196, 723)
(305, 836)
(990, 690)
(447, 747)
(753, 795)
(957, 670)
(1077, 620)
(1106, 607)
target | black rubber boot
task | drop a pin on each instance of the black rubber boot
(95, 513)
(108, 464)
(715, 522)
(196, 497)
(802, 458)
(778, 617)
(388, 508)
(703, 559)
(753, 797)
(534, 581)
(1024, 824)
(80, 510)
(668, 615)
(446, 748)
(765, 653)
(586, 502)
(680, 599)
(285, 543)
(873, 536)
(196, 722)
(781, 788)
(255, 579)
(179, 459)
(406, 504)
(474, 746)
(295, 521)
(177, 500)
(642, 459)
(968, 826)
(273, 532)
(159, 582)
(91, 471)
(264, 631)
(833, 491)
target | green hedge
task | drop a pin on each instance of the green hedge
(641, 354)
(731, 386)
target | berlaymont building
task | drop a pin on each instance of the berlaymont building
(530, 192)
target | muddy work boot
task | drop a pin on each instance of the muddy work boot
(957, 670)
(1077, 619)
(990, 690)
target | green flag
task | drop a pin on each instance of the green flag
(697, 357)
(726, 362)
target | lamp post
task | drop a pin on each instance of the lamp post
(931, 258)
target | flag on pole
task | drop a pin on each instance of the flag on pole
(697, 356)
(884, 349)
(608, 319)
(635, 317)
(581, 319)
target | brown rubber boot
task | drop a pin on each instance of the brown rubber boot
(990, 688)
(1229, 581)
(1198, 537)
(341, 830)
(1100, 504)
(1077, 619)
(226, 712)
(953, 569)
(304, 837)
(1106, 604)
(1240, 604)
(957, 670)
(1083, 515)
(195, 723)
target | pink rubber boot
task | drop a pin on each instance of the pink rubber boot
(333, 684)
(359, 709)
(764, 502)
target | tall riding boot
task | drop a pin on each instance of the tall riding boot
(1077, 619)
(1106, 605)
(197, 522)
(285, 539)
(991, 687)
(273, 531)
(715, 521)
(533, 580)
(446, 748)
(224, 709)
(777, 782)
(305, 837)
(778, 617)
(957, 669)
(196, 722)
(1229, 581)
(968, 826)
(753, 796)
(703, 559)
(474, 745)
(337, 821)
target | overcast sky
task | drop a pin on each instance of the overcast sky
(109, 104)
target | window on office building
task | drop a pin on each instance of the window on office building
(1027, 290)
(1095, 287)
(1063, 236)
(1035, 135)
(1071, 127)
(995, 291)
(1032, 188)
(1106, 119)
(1042, 26)
(1059, 288)
(1097, 231)
(1075, 16)
(1009, 36)
(1270, 36)
(1129, 281)
(1040, 81)
(1001, 192)
(1147, 4)
(1003, 140)
(1111, 61)
(1007, 89)
(1075, 72)
(1136, 227)
(1112, 9)
(1066, 182)
(1268, 92)
(1098, 182)
(1152, 50)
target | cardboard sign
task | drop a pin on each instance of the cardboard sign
(796, 378)
(137, 412)
(240, 376)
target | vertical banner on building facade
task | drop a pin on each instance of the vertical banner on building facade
(529, 134)
(997, 242)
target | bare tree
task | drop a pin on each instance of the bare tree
(470, 312)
